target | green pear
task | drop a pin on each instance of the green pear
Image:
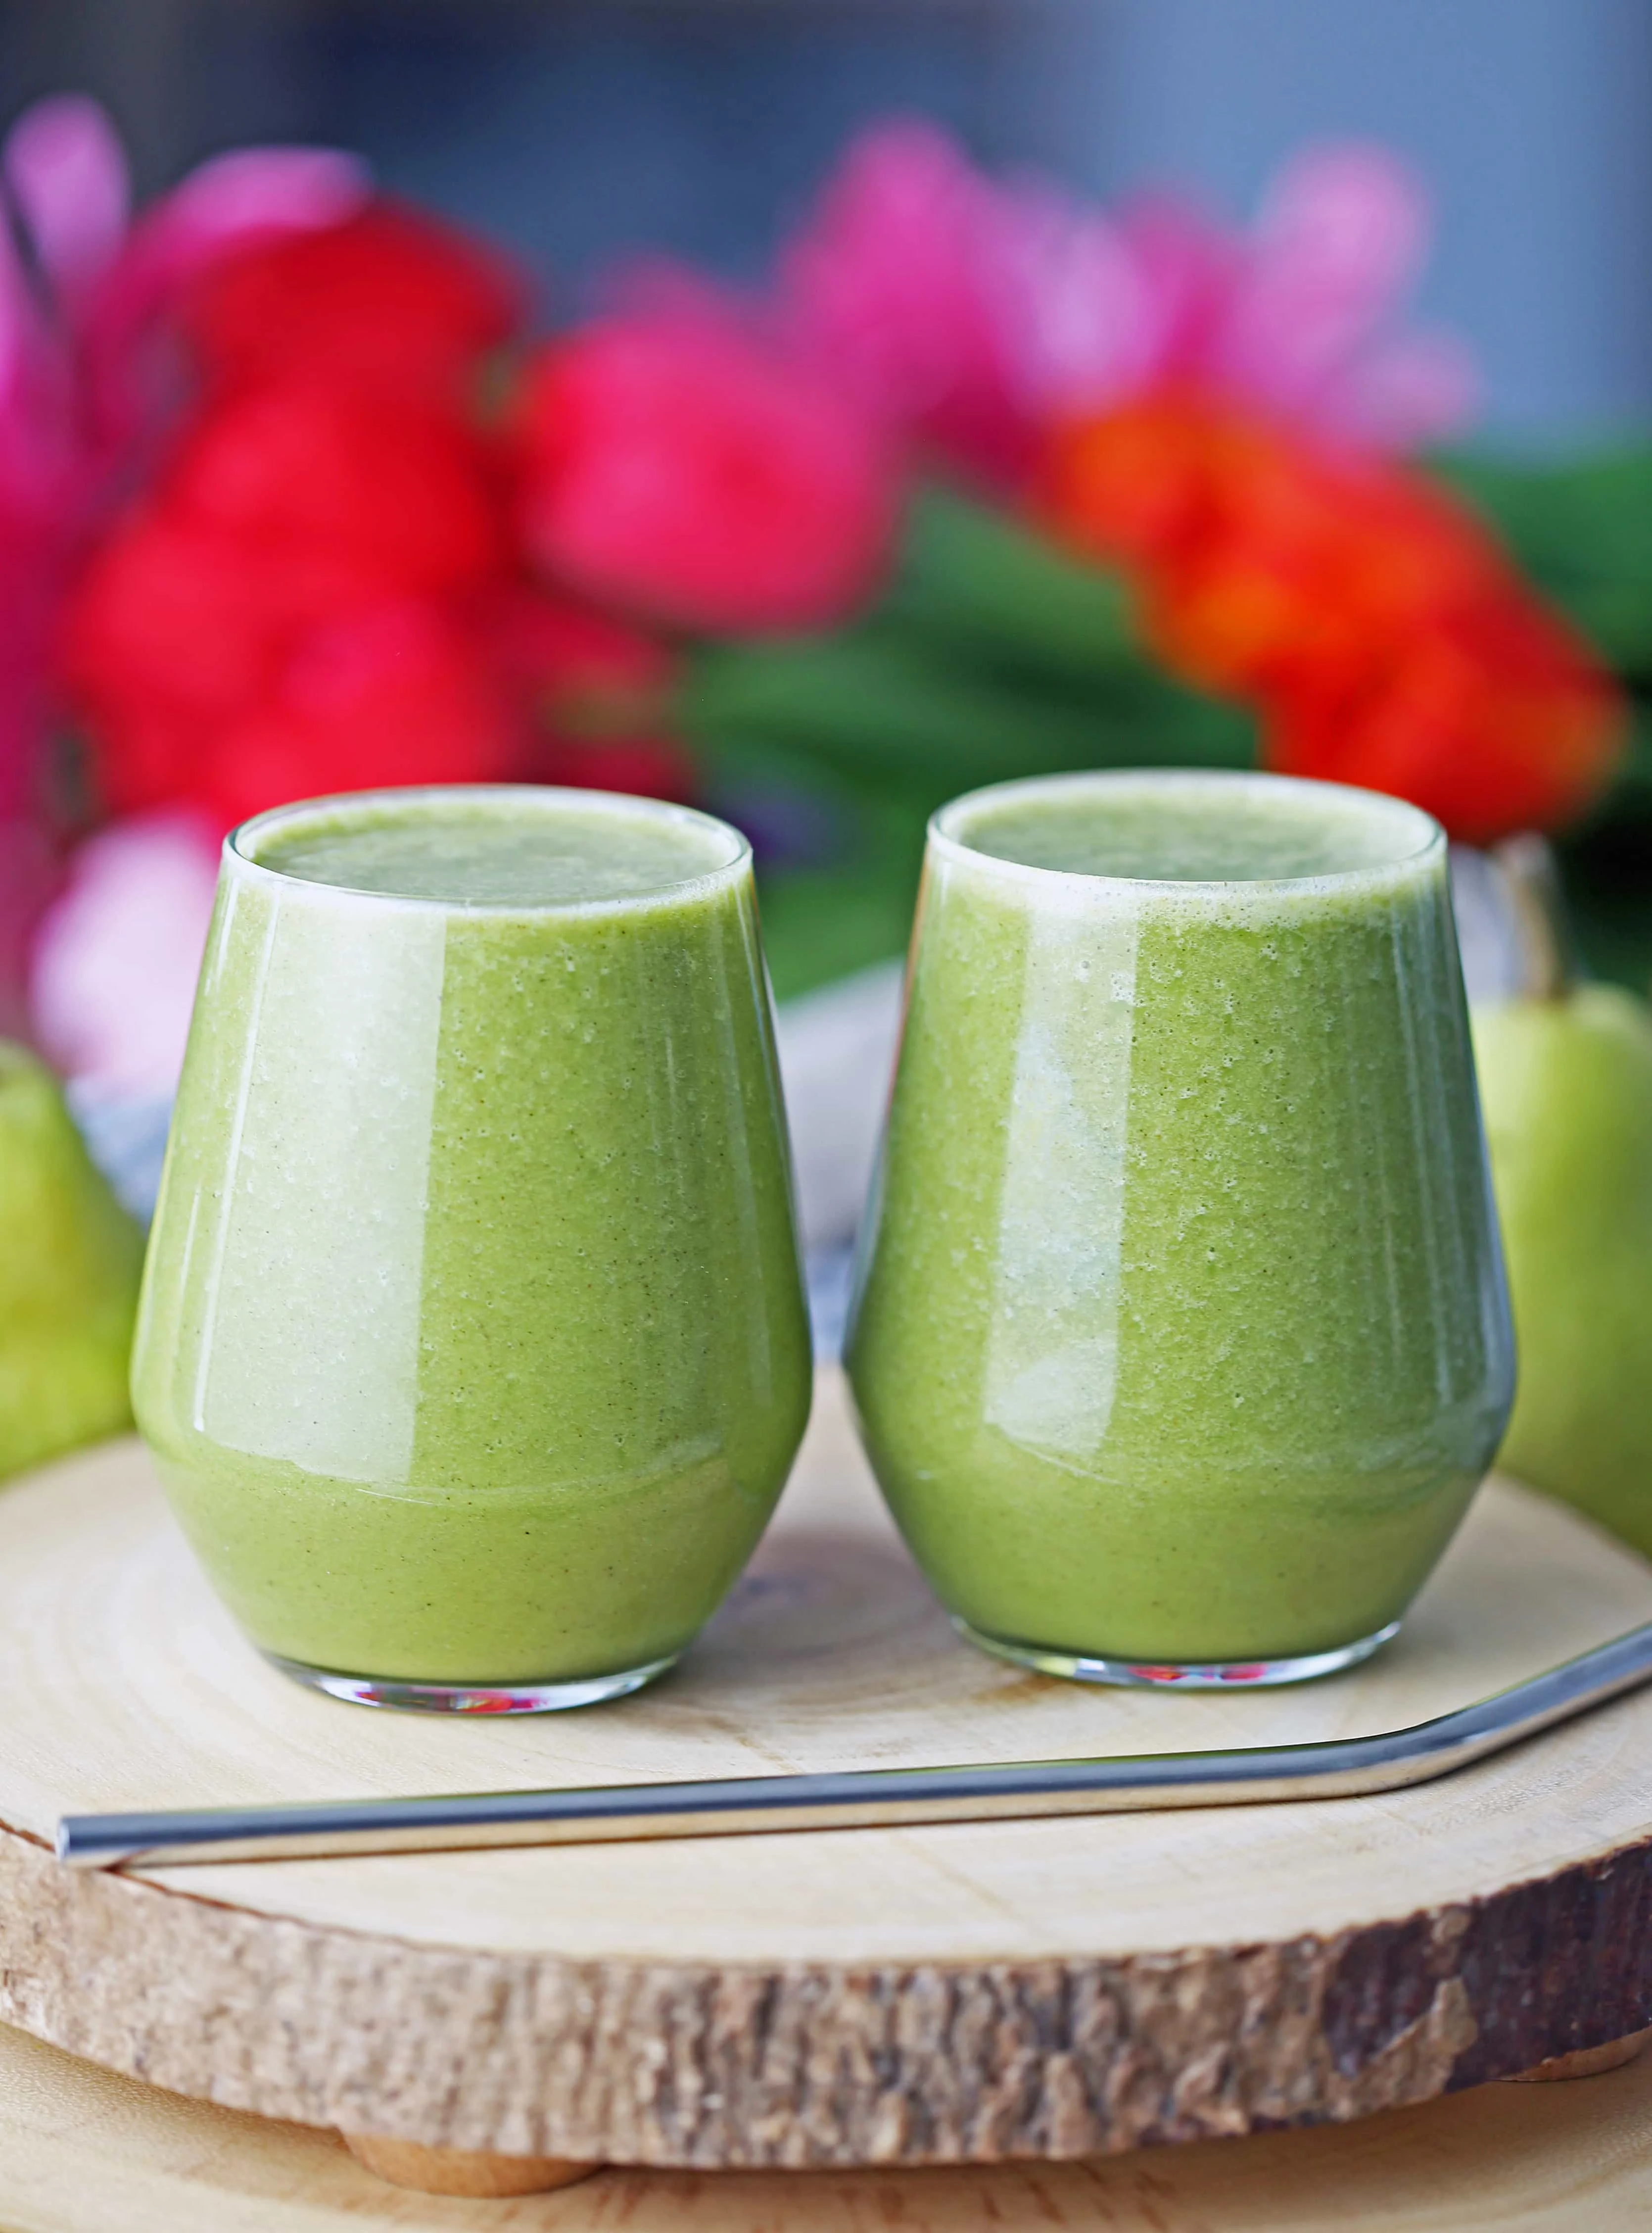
(1566, 1085)
(69, 1260)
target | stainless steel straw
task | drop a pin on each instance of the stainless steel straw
(1339, 1769)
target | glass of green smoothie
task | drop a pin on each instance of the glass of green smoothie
(1181, 1340)
(472, 1349)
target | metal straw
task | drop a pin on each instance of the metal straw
(1342, 1767)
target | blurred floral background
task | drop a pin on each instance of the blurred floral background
(810, 412)
(307, 489)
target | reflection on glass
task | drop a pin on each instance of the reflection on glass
(1181, 1341)
(472, 1349)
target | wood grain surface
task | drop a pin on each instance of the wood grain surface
(967, 1992)
(84, 2151)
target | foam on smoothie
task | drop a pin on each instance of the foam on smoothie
(518, 853)
(1221, 829)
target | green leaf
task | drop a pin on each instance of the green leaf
(822, 923)
(879, 700)
(979, 580)
(1583, 533)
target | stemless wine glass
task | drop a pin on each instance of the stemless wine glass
(1180, 1339)
(472, 1349)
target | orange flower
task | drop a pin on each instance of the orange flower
(1379, 631)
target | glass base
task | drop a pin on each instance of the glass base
(472, 1697)
(1193, 1674)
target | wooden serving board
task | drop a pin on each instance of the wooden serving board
(84, 2151)
(951, 1993)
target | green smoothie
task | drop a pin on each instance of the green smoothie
(1181, 1339)
(472, 1348)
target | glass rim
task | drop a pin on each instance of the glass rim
(945, 838)
(540, 797)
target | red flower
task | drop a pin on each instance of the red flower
(389, 300)
(383, 694)
(219, 672)
(317, 597)
(682, 470)
(321, 590)
(1383, 636)
(390, 488)
(593, 696)
(1498, 721)
(174, 630)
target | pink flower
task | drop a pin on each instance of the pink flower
(901, 285)
(115, 956)
(1302, 316)
(678, 466)
(83, 359)
(84, 367)
(970, 311)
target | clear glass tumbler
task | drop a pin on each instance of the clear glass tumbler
(472, 1349)
(1180, 1339)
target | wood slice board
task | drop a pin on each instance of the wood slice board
(960, 1993)
(84, 2151)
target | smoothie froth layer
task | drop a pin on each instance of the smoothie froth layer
(507, 850)
(1190, 828)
